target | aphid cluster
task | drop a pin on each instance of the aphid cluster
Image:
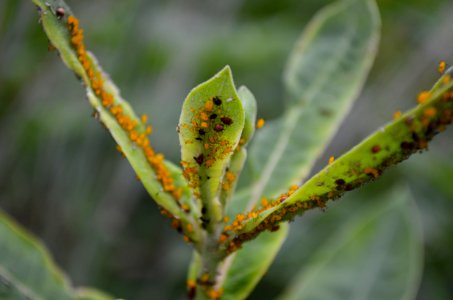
(207, 124)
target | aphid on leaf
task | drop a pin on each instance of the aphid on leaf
(226, 120)
(199, 159)
(60, 12)
(218, 127)
(217, 101)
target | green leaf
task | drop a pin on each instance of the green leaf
(324, 75)
(248, 265)
(91, 294)
(239, 157)
(210, 127)
(26, 269)
(365, 162)
(377, 255)
(57, 30)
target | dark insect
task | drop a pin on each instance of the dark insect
(376, 149)
(213, 116)
(60, 12)
(201, 132)
(226, 120)
(217, 101)
(218, 127)
(199, 159)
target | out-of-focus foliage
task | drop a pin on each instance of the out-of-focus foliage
(60, 174)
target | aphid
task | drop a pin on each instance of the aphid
(423, 96)
(396, 115)
(201, 132)
(260, 123)
(442, 66)
(198, 138)
(217, 100)
(60, 12)
(226, 120)
(340, 181)
(376, 149)
(213, 116)
(331, 159)
(218, 127)
(199, 159)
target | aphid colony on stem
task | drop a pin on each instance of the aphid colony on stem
(137, 130)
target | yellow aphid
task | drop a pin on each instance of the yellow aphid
(204, 125)
(260, 123)
(423, 96)
(446, 79)
(204, 116)
(396, 115)
(144, 118)
(442, 66)
(209, 105)
(331, 159)
(430, 112)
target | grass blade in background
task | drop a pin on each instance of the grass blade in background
(377, 255)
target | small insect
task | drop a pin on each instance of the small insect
(213, 116)
(226, 120)
(199, 159)
(60, 12)
(218, 127)
(376, 149)
(201, 132)
(217, 101)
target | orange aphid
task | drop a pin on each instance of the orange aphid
(331, 159)
(446, 79)
(204, 125)
(396, 115)
(226, 219)
(260, 123)
(423, 96)
(442, 66)
(430, 112)
(191, 283)
(144, 118)
(209, 105)
(204, 116)
(371, 171)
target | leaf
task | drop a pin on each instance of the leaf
(239, 157)
(377, 255)
(26, 269)
(365, 162)
(210, 127)
(324, 75)
(248, 265)
(153, 170)
(91, 294)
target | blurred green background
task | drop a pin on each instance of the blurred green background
(61, 177)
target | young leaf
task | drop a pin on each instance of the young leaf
(377, 255)
(240, 153)
(325, 72)
(390, 145)
(245, 268)
(210, 127)
(129, 131)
